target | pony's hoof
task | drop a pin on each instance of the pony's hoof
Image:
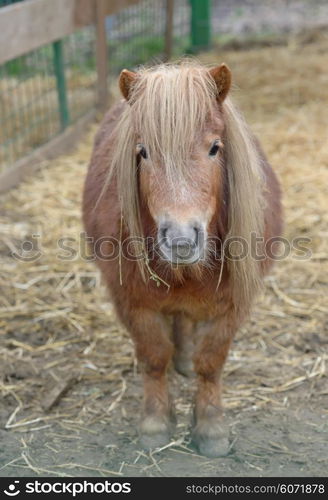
(213, 448)
(155, 432)
(185, 367)
(212, 439)
(152, 441)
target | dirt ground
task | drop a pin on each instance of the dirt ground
(246, 17)
(70, 386)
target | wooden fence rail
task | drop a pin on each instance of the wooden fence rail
(29, 25)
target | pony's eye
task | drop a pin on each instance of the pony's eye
(141, 150)
(214, 148)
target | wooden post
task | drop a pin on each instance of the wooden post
(101, 55)
(168, 29)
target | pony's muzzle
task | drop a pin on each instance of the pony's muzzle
(181, 243)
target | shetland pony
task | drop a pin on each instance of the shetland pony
(186, 208)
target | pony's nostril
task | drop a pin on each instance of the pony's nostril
(196, 233)
(163, 233)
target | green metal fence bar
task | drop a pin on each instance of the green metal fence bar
(4, 3)
(59, 69)
(200, 25)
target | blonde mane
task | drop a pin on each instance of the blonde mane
(169, 104)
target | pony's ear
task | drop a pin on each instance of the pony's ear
(126, 80)
(222, 77)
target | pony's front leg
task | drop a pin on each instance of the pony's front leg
(210, 434)
(151, 334)
(183, 337)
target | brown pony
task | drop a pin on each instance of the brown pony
(182, 208)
